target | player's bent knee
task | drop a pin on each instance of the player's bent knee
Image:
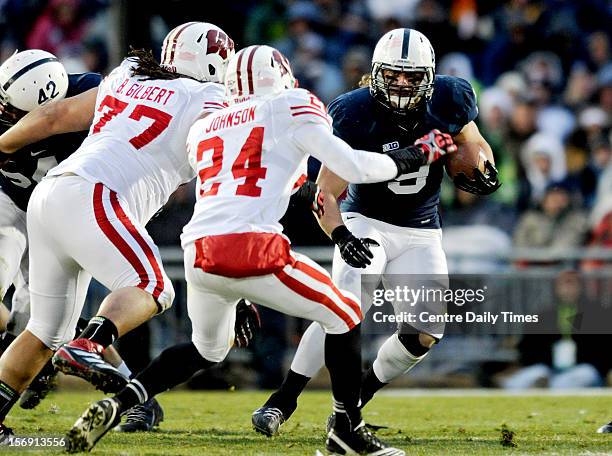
(50, 337)
(211, 352)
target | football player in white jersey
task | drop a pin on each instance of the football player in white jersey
(87, 217)
(29, 79)
(247, 158)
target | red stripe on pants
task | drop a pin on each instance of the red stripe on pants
(313, 295)
(115, 238)
(146, 248)
(324, 278)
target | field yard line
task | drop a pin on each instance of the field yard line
(489, 392)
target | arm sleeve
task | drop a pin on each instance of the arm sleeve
(352, 165)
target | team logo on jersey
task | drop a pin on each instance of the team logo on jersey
(390, 146)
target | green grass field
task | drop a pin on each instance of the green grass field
(218, 423)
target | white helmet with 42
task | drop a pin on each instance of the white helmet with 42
(404, 52)
(29, 79)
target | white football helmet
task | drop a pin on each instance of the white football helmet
(29, 79)
(258, 71)
(199, 50)
(408, 51)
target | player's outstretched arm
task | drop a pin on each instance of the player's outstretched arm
(352, 165)
(63, 116)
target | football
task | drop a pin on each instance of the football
(466, 160)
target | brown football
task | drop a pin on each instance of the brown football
(469, 156)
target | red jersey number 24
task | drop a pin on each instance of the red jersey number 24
(247, 165)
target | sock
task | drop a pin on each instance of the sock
(100, 330)
(172, 367)
(285, 398)
(343, 360)
(369, 385)
(8, 398)
(394, 360)
(124, 369)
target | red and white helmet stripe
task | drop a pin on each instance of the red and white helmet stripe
(258, 71)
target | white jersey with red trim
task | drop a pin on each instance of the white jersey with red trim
(136, 144)
(247, 163)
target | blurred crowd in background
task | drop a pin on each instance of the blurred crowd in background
(542, 71)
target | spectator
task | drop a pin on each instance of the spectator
(563, 357)
(60, 29)
(543, 158)
(355, 64)
(555, 223)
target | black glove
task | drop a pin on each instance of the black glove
(308, 196)
(482, 183)
(247, 323)
(354, 251)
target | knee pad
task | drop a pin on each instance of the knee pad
(394, 359)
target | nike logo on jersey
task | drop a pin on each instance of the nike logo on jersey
(38, 152)
(390, 146)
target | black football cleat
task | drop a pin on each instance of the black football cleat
(83, 358)
(6, 435)
(43, 383)
(94, 423)
(142, 417)
(605, 429)
(359, 441)
(267, 420)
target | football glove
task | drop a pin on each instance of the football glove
(435, 145)
(248, 323)
(482, 183)
(309, 195)
(425, 151)
(354, 251)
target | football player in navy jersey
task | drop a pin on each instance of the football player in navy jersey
(30, 79)
(389, 228)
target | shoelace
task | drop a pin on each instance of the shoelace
(137, 413)
(273, 413)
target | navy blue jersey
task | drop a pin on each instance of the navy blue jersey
(412, 199)
(29, 165)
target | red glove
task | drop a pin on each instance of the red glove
(435, 144)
